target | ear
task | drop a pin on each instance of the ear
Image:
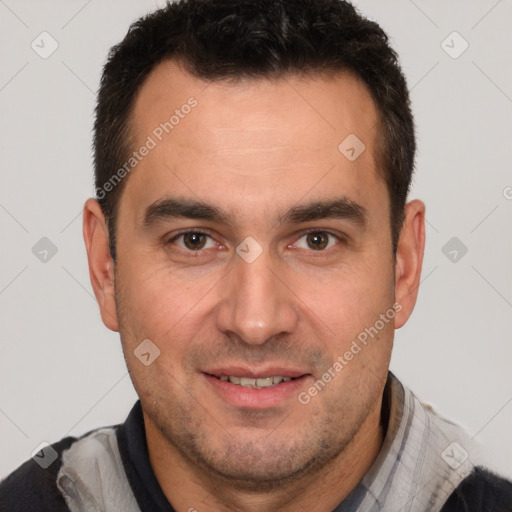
(409, 260)
(101, 266)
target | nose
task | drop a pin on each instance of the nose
(256, 304)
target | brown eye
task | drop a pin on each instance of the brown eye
(317, 241)
(194, 241)
(191, 241)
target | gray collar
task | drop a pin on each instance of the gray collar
(424, 457)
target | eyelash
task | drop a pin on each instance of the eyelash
(189, 252)
(339, 238)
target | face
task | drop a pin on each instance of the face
(250, 247)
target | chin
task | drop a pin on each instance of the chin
(249, 465)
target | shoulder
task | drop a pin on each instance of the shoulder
(32, 487)
(481, 491)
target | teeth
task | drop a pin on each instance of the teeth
(248, 382)
(264, 383)
(244, 381)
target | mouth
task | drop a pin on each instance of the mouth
(246, 389)
(254, 383)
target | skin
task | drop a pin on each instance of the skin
(255, 149)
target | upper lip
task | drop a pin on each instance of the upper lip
(240, 371)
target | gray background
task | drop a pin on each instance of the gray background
(62, 372)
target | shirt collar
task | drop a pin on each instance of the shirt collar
(411, 472)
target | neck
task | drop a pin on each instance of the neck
(181, 478)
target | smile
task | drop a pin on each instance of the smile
(255, 391)
(248, 382)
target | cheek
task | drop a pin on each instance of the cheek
(348, 301)
(153, 307)
(170, 311)
(158, 297)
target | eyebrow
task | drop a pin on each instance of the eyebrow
(175, 207)
(170, 207)
(338, 208)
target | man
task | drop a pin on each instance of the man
(251, 241)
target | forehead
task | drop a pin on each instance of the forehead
(245, 135)
(338, 102)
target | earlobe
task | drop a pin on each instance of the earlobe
(409, 260)
(101, 266)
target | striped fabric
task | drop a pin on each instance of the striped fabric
(422, 460)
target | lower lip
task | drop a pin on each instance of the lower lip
(250, 398)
